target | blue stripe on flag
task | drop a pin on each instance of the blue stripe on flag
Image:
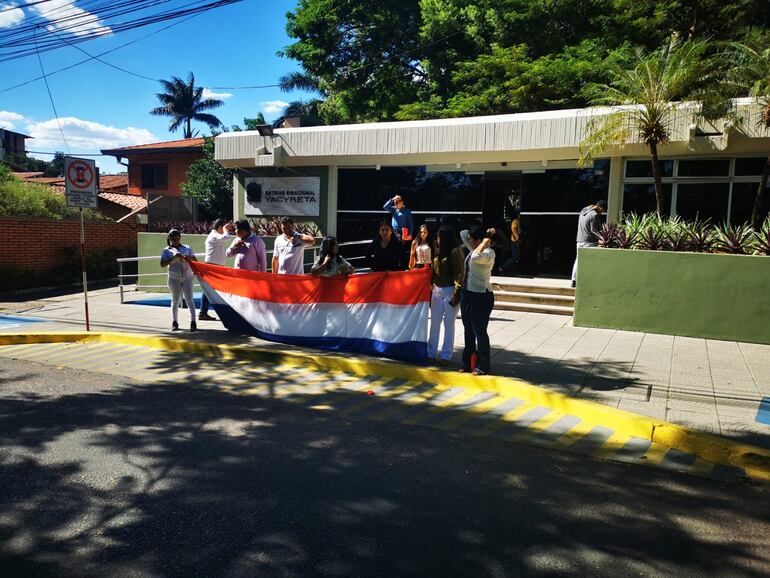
(412, 351)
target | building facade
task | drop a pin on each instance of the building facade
(486, 168)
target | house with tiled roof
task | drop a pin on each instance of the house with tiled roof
(158, 168)
(113, 199)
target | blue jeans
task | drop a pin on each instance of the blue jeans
(476, 309)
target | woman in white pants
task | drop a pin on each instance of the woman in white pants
(180, 277)
(448, 273)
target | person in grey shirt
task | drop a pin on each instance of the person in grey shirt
(589, 225)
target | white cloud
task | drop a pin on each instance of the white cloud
(11, 17)
(9, 119)
(218, 95)
(66, 17)
(273, 106)
(85, 135)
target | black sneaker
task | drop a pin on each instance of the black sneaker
(193, 326)
(174, 326)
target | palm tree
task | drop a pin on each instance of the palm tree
(749, 73)
(184, 103)
(646, 99)
(309, 113)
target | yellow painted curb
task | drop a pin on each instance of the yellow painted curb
(753, 460)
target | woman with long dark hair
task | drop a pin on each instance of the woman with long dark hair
(448, 273)
(421, 254)
(477, 299)
(385, 252)
(330, 263)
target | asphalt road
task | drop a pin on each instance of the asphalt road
(104, 476)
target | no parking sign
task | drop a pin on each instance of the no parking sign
(81, 180)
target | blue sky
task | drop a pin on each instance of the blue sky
(101, 107)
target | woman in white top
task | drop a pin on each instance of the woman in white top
(330, 263)
(421, 255)
(180, 277)
(477, 300)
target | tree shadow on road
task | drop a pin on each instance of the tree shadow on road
(165, 480)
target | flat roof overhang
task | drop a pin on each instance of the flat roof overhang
(518, 138)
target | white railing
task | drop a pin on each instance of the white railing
(122, 277)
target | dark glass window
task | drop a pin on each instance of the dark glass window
(643, 169)
(704, 168)
(743, 202)
(640, 199)
(154, 176)
(368, 189)
(430, 194)
(750, 167)
(703, 201)
(564, 190)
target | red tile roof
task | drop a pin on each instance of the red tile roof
(113, 182)
(24, 176)
(132, 202)
(188, 144)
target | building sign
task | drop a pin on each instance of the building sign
(81, 180)
(295, 196)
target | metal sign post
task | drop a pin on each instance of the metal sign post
(81, 181)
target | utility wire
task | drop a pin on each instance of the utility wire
(14, 7)
(115, 66)
(50, 96)
(59, 152)
(100, 54)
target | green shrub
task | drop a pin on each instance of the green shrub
(23, 199)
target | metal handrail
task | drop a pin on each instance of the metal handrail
(122, 260)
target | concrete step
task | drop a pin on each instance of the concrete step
(531, 308)
(535, 298)
(532, 288)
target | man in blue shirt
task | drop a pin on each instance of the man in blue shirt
(401, 218)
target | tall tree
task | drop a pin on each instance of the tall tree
(446, 58)
(749, 73)
(646, 98)
(184, 103)
(211, 184)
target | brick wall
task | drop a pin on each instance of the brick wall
(42, 248)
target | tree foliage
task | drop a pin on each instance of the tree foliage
(52, 168)
(210, 184)
(404, 59)
(647, 97)
(23, 199)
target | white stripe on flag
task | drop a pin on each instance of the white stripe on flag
(378, 321)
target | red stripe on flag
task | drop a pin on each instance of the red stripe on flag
(392, 287)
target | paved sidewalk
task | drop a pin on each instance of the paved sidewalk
(709, 385)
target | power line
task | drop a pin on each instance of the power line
(50, 96)
(60, 152)
(14, 7)
(154, 32)
(115, 66)
(18, 38)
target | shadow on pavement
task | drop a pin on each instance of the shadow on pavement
(163, 480)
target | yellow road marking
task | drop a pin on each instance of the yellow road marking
(538, 426)
(613, 443)
(656, 453)
(574, 434)
(456, 399)
(471, 413)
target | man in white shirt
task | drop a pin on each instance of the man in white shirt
(289, 249)
(216, 241)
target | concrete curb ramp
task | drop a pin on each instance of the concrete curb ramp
(501, 408)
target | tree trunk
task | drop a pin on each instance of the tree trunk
(657, 178)
(756, 213)
(187, 129)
